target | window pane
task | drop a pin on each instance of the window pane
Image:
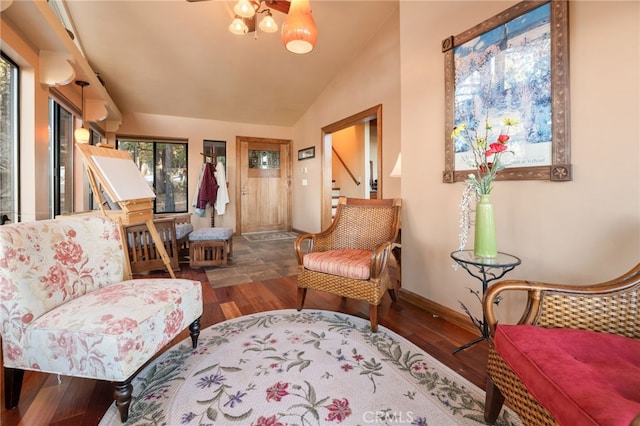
(164, 167)
(8, 140)
(260, 159)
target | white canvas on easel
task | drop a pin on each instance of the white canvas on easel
(116, 173)
(124, 178)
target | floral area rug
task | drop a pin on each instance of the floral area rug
(301, 368)
(268, 236)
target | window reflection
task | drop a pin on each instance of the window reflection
(261, 159)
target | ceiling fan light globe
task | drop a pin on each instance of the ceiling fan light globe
(268, 24)
(238, 27)
(299, 32)
(244, 9)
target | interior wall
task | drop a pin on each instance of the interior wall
(195, 131)
(372, 78)
(583, 231)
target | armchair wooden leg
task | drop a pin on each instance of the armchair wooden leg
(194, 329)
(393, 292)
(122, 395)
(373, 317)
(12, 387)
(493, 402)
(302, 293)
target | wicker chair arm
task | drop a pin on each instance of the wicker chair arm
(300, 252)
(379, 259)
(610, 306)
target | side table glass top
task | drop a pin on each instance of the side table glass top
(500, 261)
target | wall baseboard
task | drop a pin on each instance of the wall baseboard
(445, 313)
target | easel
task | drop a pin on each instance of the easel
(134, 210)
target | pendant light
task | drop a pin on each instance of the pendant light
(81, 134)
(299, 32)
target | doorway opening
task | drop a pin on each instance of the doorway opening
(351, 159)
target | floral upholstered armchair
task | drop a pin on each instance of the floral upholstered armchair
(64, 308)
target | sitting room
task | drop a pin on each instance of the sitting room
(508, 132)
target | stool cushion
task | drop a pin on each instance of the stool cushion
(218, 233)
(183, 229)
(582, 377)
(100, 336)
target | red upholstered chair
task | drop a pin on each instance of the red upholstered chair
(350, 258)
(574, 356)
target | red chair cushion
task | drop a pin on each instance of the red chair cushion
(350, 263)
(581, 377)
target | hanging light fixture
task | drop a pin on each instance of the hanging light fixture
(81, 134)
(246, 15)
(299, 32)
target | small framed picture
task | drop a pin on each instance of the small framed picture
(305, 154)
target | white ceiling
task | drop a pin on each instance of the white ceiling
(178, 58)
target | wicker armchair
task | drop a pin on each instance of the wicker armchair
(350, 258)
(609, 307)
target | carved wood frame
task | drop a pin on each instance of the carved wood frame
(560, 168)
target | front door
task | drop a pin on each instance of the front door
(265, 185)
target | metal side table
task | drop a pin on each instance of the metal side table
(486, 269)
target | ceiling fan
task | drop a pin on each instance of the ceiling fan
(254, 5)
(299, 32)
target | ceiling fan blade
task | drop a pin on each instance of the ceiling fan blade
(279, 5)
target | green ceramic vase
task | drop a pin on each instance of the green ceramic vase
(484, 243)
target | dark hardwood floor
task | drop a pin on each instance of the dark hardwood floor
(71, 401)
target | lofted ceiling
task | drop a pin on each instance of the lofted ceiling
(178, 58)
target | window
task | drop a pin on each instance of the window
(164, 166)
(9, 205)
(61, 124)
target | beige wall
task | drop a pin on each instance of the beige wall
(371, 79)
(586, 230)
(195, 131)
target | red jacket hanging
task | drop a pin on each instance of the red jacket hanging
(208, 187)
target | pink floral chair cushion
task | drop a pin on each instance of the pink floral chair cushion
(64, 308)
(100, 336)
(350, 263)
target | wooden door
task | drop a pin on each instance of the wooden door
(264, 196)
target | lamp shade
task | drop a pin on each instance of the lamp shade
(238, 26)
(244, 8)
(82, 135)
(397, 169)
(268, 24)
(299, 32)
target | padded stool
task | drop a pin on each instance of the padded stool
(210, 246)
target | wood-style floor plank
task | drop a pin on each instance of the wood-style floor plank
(83, 402)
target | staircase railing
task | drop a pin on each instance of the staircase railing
(356, 181)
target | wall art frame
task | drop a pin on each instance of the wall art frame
(306, 153)
(557, 163)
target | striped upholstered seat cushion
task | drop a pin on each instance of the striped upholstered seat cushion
(348, 263)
